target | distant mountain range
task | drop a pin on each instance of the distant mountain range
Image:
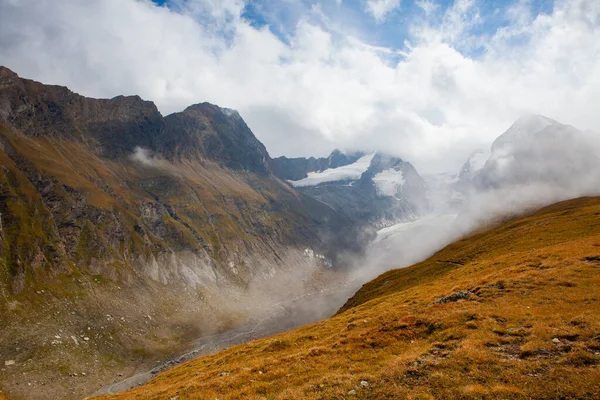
(369, 189)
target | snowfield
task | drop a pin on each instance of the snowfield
(350, 172)
(388, 182)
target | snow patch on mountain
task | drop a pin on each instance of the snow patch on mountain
(349, 172)
(388, 182)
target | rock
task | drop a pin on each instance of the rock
(86, 338)
(556, 340)
(364, 383)
(499, 285)
(352, 393)
(83, 374)
(8, 363)
(460, 295)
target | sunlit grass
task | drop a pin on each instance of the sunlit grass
(531, 328)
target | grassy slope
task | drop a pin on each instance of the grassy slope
(530, 330)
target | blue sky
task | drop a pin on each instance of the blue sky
(351, 17)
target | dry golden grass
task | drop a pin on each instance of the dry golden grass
(531, 328)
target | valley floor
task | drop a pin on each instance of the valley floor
(509, 312)
(279, 317)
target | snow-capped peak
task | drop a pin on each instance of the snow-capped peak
(523, 128)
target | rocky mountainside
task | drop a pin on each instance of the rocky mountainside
(125, 233)
(195, 181)
(374, 190)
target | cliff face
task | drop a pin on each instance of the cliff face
(110, 209)
(217, 134)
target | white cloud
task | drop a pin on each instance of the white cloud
(379, 9)
(428, 6)
(431, 103)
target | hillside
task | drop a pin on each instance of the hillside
(512, 311)
(124, 234)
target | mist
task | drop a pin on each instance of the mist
(537, 162)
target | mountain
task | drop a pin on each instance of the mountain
(298, 168)
(537, 150)
(124, 234)
(207, 131)
(518, 300)
(374, 189)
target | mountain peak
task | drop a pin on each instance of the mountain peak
(523, 128)
(533, 122)
(206, 108)
(6, 72)
(219, 134)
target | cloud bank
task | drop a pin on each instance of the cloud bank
(460, 77)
